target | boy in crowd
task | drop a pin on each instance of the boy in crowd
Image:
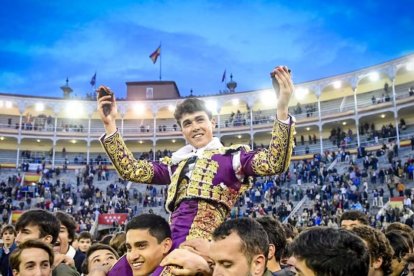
(66, 236)
(353, 218)
(99, 260)
(8, 234)
(277, 245)
(380, 249)
(148, 241)
(84, 241)
(44, 226)
(327, 251)
(240, 247)
(33, 257)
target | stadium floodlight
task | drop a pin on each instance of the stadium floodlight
(39, 107)
(337, 84)
(268, 98)
(2, 138)
(38, 140)
(171, 108)
(139, 108)
(239, 136)
(374, 76)
(74, 109)
(344, 123)
(212, 106)
(383, 116)
(301, 92)
(410, 66)
(140, 141)
(308, 128)
(73, 141)
(173, 140)
(235, 102)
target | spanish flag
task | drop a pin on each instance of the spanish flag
(154, 56)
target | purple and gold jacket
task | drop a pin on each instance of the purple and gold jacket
(198, 204)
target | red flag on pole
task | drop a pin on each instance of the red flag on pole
(154, 56)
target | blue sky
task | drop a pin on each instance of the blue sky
(43, 42)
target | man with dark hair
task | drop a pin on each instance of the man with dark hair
(352, 218)
(148, 241)
(240, 247)
(277, 244)
(8, 234)
(33, 257)
(65, 239)
(39, 225)
(99, 260)
(44, 226)
(205, 178)
(320, 251)
(379, 247)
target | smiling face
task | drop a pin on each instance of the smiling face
(197, 128)
(63, 241)
(34, 261)
(144, 252)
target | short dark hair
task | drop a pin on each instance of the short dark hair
(157, 226)
(191, 105)
(14, 259)
(355, 215)
(378, 245)
(275, 233)
(8, 228)
(48, 224)
(399, 243)
(69, 222)
(85, 235)
(252, 234)
(327, 251)
(93, 248)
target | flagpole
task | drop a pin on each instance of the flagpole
(160, 61)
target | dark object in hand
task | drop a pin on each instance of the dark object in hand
(274, 81)
(104, 91)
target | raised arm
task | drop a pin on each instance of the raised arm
(140, 171)
(276, 158)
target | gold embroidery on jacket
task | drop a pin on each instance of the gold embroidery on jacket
(276, 158)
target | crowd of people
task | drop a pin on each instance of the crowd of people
(45, 243)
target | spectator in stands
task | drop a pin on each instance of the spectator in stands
(84, 241)
(240, 247)
(229, 166)
(277, 244)
(148, 241)
(33, 257)
(43, 226)
(327, 251)
(8, 234)
(99, 260)
(353, 218)
(380, 250)
(66, 236)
